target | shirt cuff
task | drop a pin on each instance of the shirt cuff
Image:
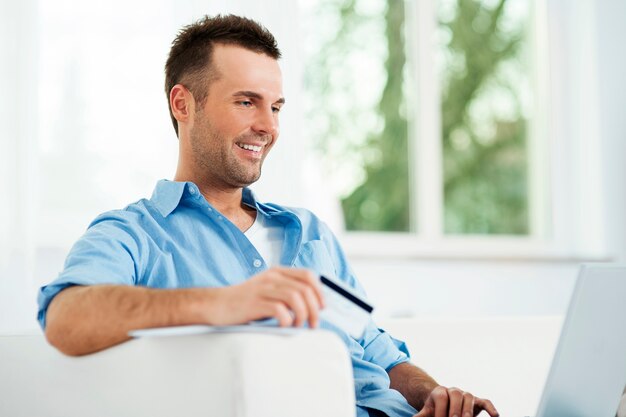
(385, 351)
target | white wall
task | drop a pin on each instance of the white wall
(18, 63)
(610, 35)
(467, 288)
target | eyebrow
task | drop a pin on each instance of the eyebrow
(252, 94)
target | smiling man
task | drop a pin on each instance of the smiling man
(202, 250)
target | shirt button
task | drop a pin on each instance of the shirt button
(192, 190)
(210, 209)
(219, 217)
(257, 263)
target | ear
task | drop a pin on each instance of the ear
(182, 103)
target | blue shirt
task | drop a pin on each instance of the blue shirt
(177, 239)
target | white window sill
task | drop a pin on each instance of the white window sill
(405, 246)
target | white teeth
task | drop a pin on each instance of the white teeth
(250, 147)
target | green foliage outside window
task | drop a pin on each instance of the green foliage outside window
(484, 125)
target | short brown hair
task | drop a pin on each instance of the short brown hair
(190, 56)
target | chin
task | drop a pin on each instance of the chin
(246, 182)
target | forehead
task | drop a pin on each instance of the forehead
(241, 69)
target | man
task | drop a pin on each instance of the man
(203, 250)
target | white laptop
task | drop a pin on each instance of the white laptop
(588, 372)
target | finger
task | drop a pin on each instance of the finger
(455, 404)
(482, 404)
(278, 311)
(308, 278)
(294, 301)
(313, 305)
(440, 399)
(306, 292)
(468, 405)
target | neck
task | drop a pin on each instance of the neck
(226, 199)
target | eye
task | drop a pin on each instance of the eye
(275, 109)
(245, 103)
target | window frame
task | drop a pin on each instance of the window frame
(555, 234)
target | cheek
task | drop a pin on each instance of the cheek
(276, 129)
(223, 121)
(277, 135)
(233, 123)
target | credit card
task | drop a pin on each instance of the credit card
(344, 308)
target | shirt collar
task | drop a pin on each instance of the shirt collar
(167, 196)
(249, 198)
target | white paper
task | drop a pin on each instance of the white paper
(201, 329)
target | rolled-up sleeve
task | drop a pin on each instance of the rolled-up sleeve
(382, 349)
(105, 254)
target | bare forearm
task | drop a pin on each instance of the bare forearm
(412, 382)
(83, 320)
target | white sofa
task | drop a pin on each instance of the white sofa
(238, 375)
(259, 375)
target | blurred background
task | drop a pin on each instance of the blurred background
(470, 154)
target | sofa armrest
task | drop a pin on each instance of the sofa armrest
(236, 374)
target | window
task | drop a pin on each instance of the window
(421, 111)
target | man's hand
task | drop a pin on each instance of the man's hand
(453, 402)
(292, 296)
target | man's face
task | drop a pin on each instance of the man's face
(235, 129)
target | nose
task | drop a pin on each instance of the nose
(266, 122)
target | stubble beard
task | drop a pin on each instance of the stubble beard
(213, 154)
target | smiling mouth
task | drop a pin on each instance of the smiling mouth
(249, 147)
